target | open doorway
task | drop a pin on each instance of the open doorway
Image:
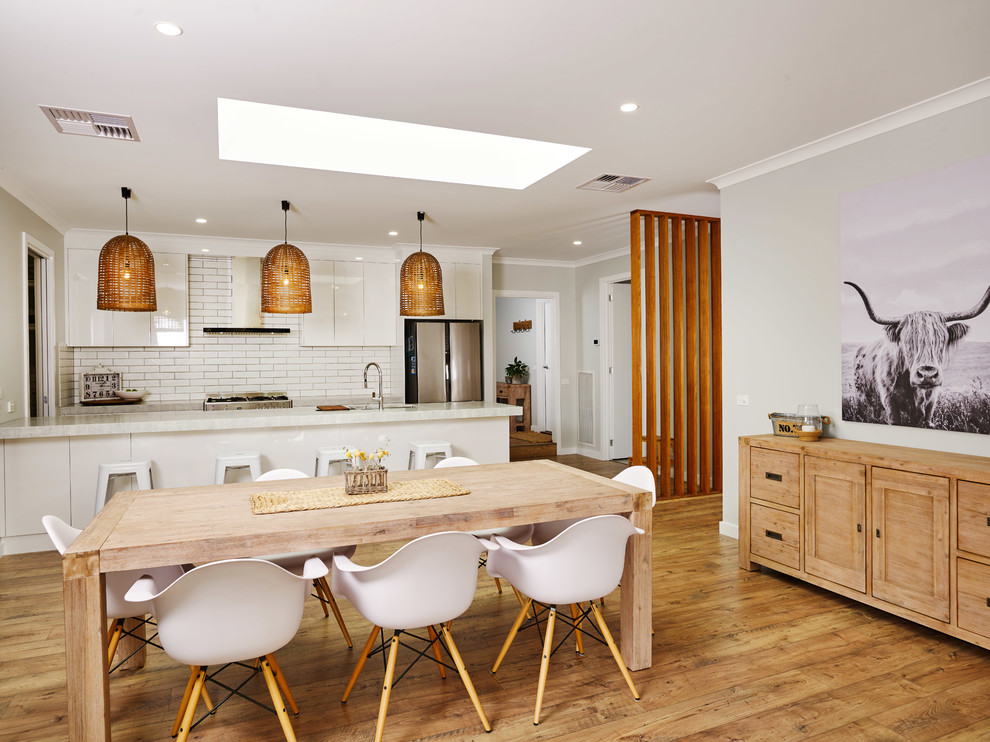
(615, 300)
(526, 327)
(39, 328)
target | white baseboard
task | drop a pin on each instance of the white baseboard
(561, 451)
(728, 529)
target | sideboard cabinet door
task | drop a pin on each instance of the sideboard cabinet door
(835, 521)
(911, 541)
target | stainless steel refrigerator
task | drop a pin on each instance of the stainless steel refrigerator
(443, 361)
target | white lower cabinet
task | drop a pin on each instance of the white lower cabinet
(36, 483)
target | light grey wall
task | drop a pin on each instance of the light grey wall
(510, 345)
(15, 220)
(781, 283)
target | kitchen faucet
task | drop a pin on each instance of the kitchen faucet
(381, 402)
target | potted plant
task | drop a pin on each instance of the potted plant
(516, 372)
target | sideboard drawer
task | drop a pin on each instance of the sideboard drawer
(973, 583)
(776, 535)
(773, 476)
(974, 518)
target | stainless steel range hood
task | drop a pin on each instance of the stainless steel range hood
(245, 301)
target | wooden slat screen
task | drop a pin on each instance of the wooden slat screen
(677, 376)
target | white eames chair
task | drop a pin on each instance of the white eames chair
(520, 534)
(581, 564)
(294, 562)
(428, 582)
(117, 583)
(229, 613)
(638, 476)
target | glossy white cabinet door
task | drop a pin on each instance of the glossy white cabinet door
(170, 323)
(86, 326)
(348, 303)
(380, 303)
(318, 326)
(467, 295)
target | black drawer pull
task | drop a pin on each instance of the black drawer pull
(988, 602)
(780, 478)
(988, 521)
(878, 533)
(775, 536)
(859, 528)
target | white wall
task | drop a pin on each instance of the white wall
(781, 284)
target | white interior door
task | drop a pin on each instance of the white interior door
(620, 370)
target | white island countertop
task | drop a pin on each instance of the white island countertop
(188, 420)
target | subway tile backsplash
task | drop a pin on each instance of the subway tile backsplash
(211, 364)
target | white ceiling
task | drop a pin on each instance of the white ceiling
(720, 84)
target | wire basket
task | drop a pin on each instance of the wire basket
(363, 482)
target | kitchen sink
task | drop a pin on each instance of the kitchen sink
(373, 406)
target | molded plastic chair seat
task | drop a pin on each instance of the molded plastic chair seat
(241, 460)
(581, 564)
(327, 456)
(117, 584)
(419, 451)
(428, 582)
(138, 468)
(638, 476)
(229, 612)
(295, 561)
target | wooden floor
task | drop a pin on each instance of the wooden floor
(737, 656)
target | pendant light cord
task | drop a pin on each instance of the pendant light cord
(285, 238)
(125, 215)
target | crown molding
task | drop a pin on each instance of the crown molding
(29, 200)
(961, 96)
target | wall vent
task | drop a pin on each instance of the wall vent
(613, 183)
(91, 124)
(586, 407)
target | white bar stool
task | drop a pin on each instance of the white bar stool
(241, 460)
(141, 469)
(327, 456)
(419, 451)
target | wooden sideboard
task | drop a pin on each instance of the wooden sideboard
(517, 394)
(904, 530)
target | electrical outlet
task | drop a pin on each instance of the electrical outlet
(10, 407)
(742, 400)
(1, 392)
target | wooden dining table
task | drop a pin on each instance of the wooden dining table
(194, 525)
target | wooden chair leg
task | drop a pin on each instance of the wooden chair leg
(190, 711)
(393, 651)
(336, 612)
(283, 716)
(321, 596)
(193, 671)
(498, 584)
(360, 663)
(113, 638)
(577, 628)
(523, 612)
(544, 664)
(615, 651)
(282, 684)
(436, 651)
(462, 670)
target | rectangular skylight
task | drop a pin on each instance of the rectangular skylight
(297, 137)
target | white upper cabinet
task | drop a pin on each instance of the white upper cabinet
(88, 326)
(354, 303)
(461, 290)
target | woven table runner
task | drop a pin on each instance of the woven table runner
(265, 503)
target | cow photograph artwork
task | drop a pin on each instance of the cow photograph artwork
(915, 295)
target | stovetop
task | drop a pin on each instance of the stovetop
(247, 401)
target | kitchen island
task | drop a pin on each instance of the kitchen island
(49, 465)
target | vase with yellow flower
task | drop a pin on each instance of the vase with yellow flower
(365, 473)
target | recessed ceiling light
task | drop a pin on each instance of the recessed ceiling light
(359, 258)
(297, 137)
(168, 29)
(628, 107)
(201, 221)
(204, 249)
(393, 234)
(576, 242)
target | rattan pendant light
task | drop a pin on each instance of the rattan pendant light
(126, 274)
(420, 282)
(285, 285)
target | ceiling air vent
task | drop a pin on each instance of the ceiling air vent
(613, 183)
(91, 124)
